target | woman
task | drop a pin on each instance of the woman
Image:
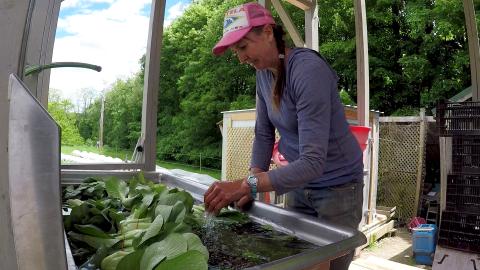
(296, 94)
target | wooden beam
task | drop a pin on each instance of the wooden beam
(378, 231)
(473, 47)
(302, 4)
(363, 86)
(151, 83)
(287, 21)
(266, 3)
(311, 26)
(421, 160)
(405, 119)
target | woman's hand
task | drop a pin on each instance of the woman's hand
(221, 194)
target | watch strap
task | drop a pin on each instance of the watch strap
(252, 182)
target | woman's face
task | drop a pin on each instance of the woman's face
(257, 49)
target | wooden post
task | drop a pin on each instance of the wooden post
(421, 159)
(151, 84)
(473, 47)
(265, 3)
(374, 146)
(311, 27)
(445, 167)
(363, 86)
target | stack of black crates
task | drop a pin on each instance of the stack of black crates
(460, 222)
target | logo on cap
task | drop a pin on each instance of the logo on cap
(229, 21)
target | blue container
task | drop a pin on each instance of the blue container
(424, 243)
(426, 259)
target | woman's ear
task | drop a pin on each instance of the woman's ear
(268, 30)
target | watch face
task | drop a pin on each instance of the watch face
(252, 180)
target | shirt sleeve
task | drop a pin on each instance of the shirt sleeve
(311, 84)
(264, 136)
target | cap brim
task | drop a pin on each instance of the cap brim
(230, 39)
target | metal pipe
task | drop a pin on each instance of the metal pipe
(37, 69)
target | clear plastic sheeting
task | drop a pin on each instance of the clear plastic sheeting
(78, 156)
(195, 177)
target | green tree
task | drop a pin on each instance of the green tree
(62, 111)
(195, 86)
(418, 55)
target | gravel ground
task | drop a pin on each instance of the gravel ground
(397, 248)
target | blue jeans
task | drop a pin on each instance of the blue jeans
(340, 204)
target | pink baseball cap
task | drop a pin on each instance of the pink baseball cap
(239, 21)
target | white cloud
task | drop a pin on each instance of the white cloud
(174, 12)
(114, 38)
(82, 3)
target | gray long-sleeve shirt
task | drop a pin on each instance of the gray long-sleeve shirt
(315, 137)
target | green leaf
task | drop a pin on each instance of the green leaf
(92, 230)
(139, 211)
(96, 259)
(159, 189)
(232, 216)
(153, 230)
(141, 178)
(168, 199)
(147, 198)
(191, 260)
(131, 261)
(129, 201)
(133, 224)
(70, 192)
(95, 242)
(170, 247)
(116, 188)
(178, 213)
(117, 217)
(110, 262)
(163, 210)
(187, 200)
(74, 202)
(194, 243)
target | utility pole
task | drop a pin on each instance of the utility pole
(100, 130)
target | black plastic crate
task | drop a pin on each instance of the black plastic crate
(458, 118)
(463, 193)
(466, 154)
(460, 231)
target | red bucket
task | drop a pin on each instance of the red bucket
(361, 134)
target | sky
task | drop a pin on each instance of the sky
(109, 33)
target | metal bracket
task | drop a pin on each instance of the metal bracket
(443, 258)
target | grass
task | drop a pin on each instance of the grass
(126, 154)
(372, 243)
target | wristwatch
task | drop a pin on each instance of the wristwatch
(252, 182)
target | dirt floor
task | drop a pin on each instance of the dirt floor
(397, 248)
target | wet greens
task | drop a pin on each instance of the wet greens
(115, 225)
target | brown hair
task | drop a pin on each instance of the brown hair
(278, 34)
